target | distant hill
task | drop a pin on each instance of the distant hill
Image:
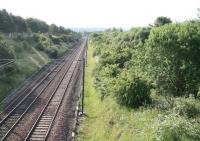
(87, 29)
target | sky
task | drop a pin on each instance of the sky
(102, 13)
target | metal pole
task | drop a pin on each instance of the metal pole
(86, 51)
(83, 83)
(83, 91)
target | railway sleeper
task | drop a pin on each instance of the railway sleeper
(36, 139)
(40, 130)
(3, 128)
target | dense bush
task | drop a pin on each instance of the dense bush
(181, 123)
(172, 58)
(48, 44)
(131, 90)
(115, 50)
(173, 127)
(159, 64)
(162, 21)
(188, 107)
(6, 51)
(165, 58)
(55, 39)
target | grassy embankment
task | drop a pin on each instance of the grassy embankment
(108, 121)
(31, 55)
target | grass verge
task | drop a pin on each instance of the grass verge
(108, 121)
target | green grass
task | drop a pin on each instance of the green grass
(108, 121)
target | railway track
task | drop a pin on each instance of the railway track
(30, 84)
(5, 63)
(41, 103)
(16, 112)
(46, 76)
(43, 124)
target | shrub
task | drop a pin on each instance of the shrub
(53, 53)
(188, 107)
(173, 127)
(55, 39)
(131, 90)
(172, 58)
(6, 51)
(102, 73)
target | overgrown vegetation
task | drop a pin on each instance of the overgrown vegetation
(162, 58)
(152, 68)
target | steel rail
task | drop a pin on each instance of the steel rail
(30, 104)
(33, 89)
(58, 105)
(21, 92)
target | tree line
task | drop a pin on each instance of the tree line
(11, 23)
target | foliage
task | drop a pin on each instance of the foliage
(130, 90)
(188, 107)
(180, 122)
(172, 58)
(32, 43)
(11, 23)
(6, 23)
(36, 25)
(165, 58)
(30, 54)
(173, 127)
(50, 44)
(109, 121)
(6, 52)
(155, 66)
(162, 21)
(115, 50)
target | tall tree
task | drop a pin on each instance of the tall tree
(19, 24)
(37, 25)
(6, 23)
(162, 21)
(53, 29)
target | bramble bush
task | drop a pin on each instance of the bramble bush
(188, 107)
(173, 127)
(131, 90)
